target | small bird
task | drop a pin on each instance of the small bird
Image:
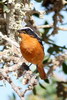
(32, 49)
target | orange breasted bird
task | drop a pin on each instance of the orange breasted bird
(32, 49)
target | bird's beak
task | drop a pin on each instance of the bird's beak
(19, 31)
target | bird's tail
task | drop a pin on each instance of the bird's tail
(41, 71)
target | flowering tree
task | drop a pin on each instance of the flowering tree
(14, 15)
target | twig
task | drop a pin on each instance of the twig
(32, 83)
(45, 26)
(29, 88)
(9, 40)
(57, 62)
(15, 67)
(51, 26)
(61, 28)
(15, 88)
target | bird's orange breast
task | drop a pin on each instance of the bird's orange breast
(31, 49)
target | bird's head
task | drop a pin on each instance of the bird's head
(28, 31)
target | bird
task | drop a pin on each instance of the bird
(32, 49)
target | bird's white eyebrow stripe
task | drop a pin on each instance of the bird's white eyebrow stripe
(27, 28)
(31, 30)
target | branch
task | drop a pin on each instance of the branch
(56, 63)
(51, 26)
(8, 79)
(9, 40)
(15, 67)
(17, 89)
(61, 28)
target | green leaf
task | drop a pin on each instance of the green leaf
(6, 9)
(14, 96)
(34, 91)
(55, 49)
(46, 58)
(64, 67)
(35, 14)
(46, 80)
(38, 0)
(46, 30)
(51, 50)
(42, 86)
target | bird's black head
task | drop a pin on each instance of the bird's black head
(28, 30)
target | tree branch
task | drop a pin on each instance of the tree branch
(8, 79)
(9, 40)
(17, 89)
(51, 26)
(57, 62)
